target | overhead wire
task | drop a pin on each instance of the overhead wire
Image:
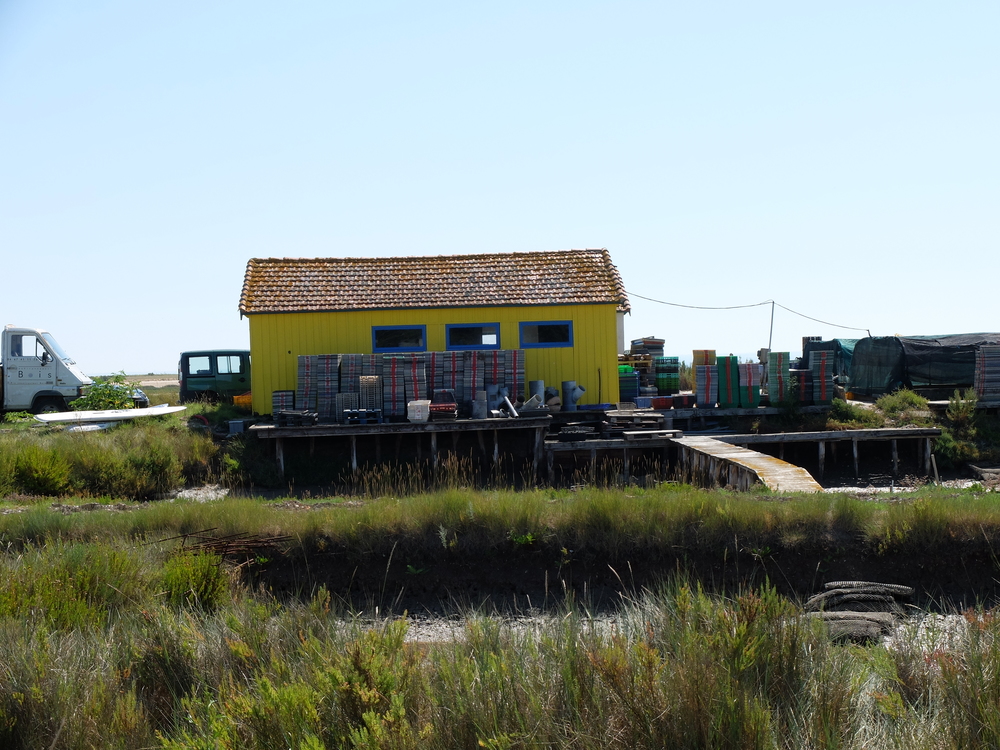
(755, 304)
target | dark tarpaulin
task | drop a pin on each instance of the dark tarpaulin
(944, 360)
(883, 364)
(877, 366)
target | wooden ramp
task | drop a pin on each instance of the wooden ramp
(709, 462)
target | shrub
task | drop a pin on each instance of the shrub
(900, 404)
(961, 413)
(195, 580)
(111, 392)
(41, 470)
(952, 452)
(844, 414)
(70, 586)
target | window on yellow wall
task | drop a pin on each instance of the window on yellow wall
(472, 336)
(546, 334)
(399, 338)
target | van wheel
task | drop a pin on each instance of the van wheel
(49, 405)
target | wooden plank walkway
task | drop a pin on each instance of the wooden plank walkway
(708, 462)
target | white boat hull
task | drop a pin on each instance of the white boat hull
(106, 415)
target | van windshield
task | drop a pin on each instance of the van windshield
(54, 346)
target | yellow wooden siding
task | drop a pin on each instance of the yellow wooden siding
(276, 340)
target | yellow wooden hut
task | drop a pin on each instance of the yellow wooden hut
(564, 309)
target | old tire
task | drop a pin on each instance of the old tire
(49, 405)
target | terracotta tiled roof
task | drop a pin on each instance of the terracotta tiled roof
(278, 285)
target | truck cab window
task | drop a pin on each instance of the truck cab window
(24, 345)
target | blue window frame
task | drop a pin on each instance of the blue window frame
(546, 334)
(459, 336)
(399, 338)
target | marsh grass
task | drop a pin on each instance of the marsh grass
(676, 667)
(140, 459)
(593, 521)
(113, 638)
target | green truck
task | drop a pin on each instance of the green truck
(214, 374)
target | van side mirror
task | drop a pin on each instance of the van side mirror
(46, 358)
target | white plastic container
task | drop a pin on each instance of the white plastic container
(418, 411)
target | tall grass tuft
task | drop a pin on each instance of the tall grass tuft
(140, 460)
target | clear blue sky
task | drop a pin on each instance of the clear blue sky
(839, 158)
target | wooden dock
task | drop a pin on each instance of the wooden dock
(632, 443)
(535, 426)
(923, 435)
(711, 462)
(716, 460)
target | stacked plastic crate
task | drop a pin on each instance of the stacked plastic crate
(749, 385)
(668, 375)
(415, 377)
(327, 384)
(306, 383)
(703, 357)
(706, 385)
(282, 401)
(821, 369)
(370, 393)
(801, 385)
(648, 345)
(728, 372)
(393, 385)
(350, 372)
(473, 378)
(986, 379)
(778, 379)
(447, 372)
(371, 364)
(628, 384)
(494, 367)
(514, 374)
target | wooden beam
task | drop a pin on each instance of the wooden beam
(538, 453)
(854, 447)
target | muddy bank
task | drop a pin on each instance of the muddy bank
(948, 578)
